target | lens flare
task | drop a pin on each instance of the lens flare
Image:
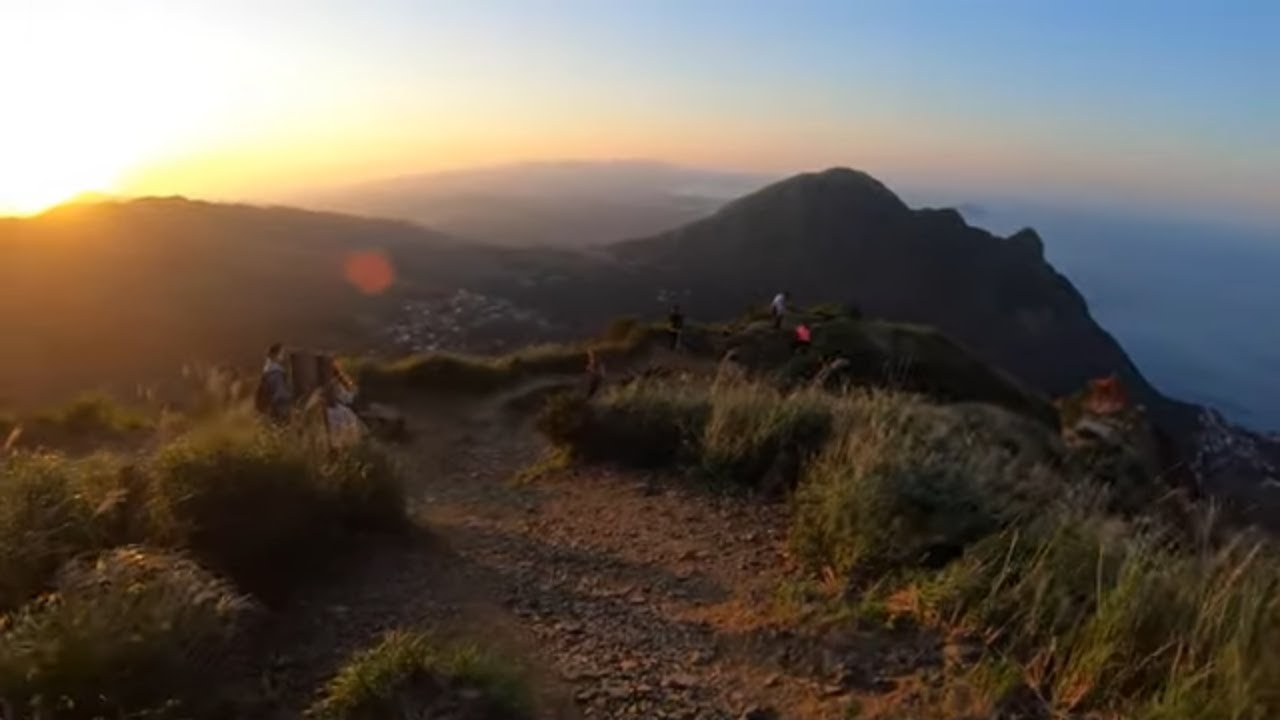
(370, 271)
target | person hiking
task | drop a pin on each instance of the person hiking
(595, 373)
(802, 339)
(274, 395)
(778, 308)
(675, 326)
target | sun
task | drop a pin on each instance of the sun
(45, 170)
(91, 93)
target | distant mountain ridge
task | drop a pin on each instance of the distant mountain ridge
(564, 204)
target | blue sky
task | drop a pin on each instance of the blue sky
(1151, 105)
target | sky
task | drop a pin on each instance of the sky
(1170, 105)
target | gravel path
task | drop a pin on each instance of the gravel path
(625, 596)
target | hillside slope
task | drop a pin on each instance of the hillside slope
(842, 236)
(116, 293)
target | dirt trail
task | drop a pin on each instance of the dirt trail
(625, 596)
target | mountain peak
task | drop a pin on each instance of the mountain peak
(834, 190)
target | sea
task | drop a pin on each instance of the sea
(1196, 305)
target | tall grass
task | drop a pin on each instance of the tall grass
(906, 484)
(90, 419)
(412, 674)
(731, 431)
(93, 626)
(53, 508)
(1104, 616)
(755, 431)
(980, 522)
(131, 633)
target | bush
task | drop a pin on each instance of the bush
(642, 425)
(262, 507)
(409, 674)
(366, 490)
(754, 431)
(902, 486)
(53, 508)
(132, 632)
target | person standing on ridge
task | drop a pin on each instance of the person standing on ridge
(675, 326)
(273, 395)
(595, 373)
(778, 308)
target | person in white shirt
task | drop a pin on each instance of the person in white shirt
(345, 426)
(778, 308)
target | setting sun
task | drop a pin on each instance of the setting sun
(84, 107)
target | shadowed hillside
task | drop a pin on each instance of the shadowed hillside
(116, 293)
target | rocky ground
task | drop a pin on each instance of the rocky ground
(623, 596)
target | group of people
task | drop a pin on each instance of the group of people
(778, 309)
(275, 396)
(802, 338)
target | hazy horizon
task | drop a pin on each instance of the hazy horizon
(1149, 107)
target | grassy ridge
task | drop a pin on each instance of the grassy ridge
(973, 521)
(89, 419)
(458, 373)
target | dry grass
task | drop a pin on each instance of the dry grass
(412, 674)
(131, 633)
(466, 374)
(93, 627)
(970, 519)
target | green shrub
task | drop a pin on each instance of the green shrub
(410, 674)
(366, 489)
(245, 502)
(641, 424)
(264, 507)
(130, 633)
(754, 430)
(53, 508)
(903, 485)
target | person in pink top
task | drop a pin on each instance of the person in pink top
(803, 338)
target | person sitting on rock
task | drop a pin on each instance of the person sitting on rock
(343, 425)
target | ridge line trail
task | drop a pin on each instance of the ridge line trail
(625, 596)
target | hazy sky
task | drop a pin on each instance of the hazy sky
(1130, 102)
